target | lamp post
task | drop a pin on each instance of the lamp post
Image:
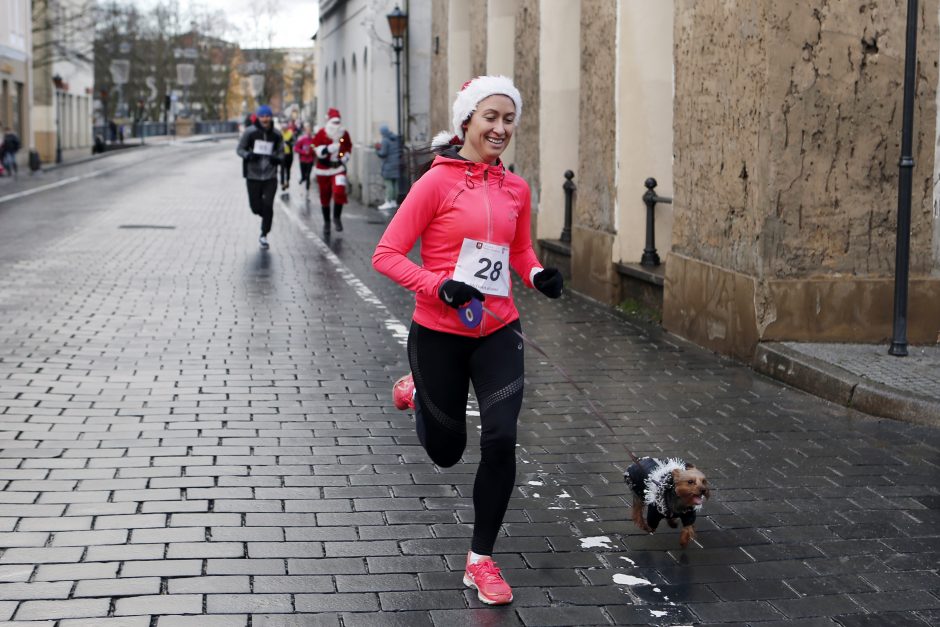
(398, 24)
(898, 346)
(57, 85)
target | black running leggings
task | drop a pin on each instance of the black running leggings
(443, 366)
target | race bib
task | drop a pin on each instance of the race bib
(485, 266)
(263, 148)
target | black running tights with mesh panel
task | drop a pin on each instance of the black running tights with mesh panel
(443, 366)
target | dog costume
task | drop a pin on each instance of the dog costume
(651, 480)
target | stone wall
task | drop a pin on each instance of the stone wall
(478, 17)
(526, 68)
(787, 126)
(787, 139)
(593, 221)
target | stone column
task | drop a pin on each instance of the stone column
(787, 133)
(559, 106)
(593, 224)
(501, 48)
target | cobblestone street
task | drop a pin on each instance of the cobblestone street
(196, 432)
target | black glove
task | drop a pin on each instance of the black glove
(549, 281)
(456, 294)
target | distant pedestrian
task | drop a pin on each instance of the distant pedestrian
(389, 151)
(304, 150)
(250, 120)
(261, 148)
(290, 137)
(473, 219)
(332, 147)
(11, 145)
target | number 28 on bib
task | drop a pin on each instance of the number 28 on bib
(485, 266)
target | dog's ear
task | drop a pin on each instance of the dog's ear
(689, 466)
(676, 475)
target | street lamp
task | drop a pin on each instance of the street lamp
(398, 24)
(57, 84)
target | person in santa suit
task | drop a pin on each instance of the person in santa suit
(332, 147)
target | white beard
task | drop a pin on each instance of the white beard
(334, 130)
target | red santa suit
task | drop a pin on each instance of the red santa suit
(332, 147)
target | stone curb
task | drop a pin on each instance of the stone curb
(840, 386)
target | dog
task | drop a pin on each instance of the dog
(666, 489)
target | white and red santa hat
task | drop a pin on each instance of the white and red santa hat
(332, 114)
(469, 96)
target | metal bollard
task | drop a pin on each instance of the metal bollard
(650, 256)
(569, 188)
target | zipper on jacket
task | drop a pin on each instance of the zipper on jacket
(489, 222)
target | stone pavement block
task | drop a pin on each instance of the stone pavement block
(747, 611)
(337, 602)
(79, 608)
(115, 552)
(89, 538)
(564, 616)
(324, 566)
(162, 568)
(131, 521)
(181, 550)
(15, 573)
(43, 555)
(159, 604)
(295, 620)
(125, 621)
(406, 564)
(57, 590)
(245, 567)
(61, 572)
(370, 583)
(249, 603)
(23, 539)
(423, 600)
(285, 549)
(389, 619)
(209, 585)
(294, 583)
(119, 588)
(203, 621)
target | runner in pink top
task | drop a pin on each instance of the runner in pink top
(473, 219)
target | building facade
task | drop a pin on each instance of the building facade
(356, 74)
(774, 132)
(64, 75)
(16, 69)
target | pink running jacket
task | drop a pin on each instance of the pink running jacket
(457, 199)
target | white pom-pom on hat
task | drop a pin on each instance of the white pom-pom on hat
(469, 96)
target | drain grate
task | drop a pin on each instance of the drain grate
(146, 226)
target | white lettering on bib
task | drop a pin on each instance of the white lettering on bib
(263, 148)
(485, 266)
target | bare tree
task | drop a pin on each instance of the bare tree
(63, 31)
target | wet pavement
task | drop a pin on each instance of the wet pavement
(194, 431)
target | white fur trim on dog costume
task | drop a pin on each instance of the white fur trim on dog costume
(659, 481)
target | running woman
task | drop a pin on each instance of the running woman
(304, 150)
(472, 217)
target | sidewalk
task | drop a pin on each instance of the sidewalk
(196, 432)
(862, 376)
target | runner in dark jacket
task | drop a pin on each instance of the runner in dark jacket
(261, 148)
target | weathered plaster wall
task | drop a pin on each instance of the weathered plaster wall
(787, 135)
(593, 220)
(526, 78)
(439, 88)
(479, 17)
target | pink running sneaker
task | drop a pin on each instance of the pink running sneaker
(492, 589)
(403, 392)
